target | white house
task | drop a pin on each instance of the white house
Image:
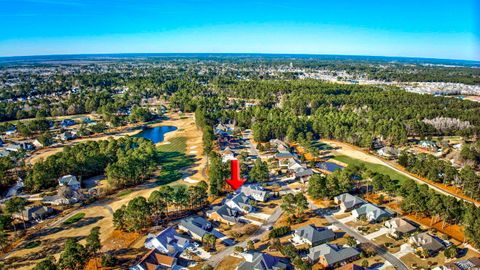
(240, 202)
(255, 192)
(371, 212)
(70, 181)
(167, 242)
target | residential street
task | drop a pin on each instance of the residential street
(398, 264)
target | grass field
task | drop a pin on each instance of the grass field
(178, 144)
(173, 159)
(373, 167)
(74, 218)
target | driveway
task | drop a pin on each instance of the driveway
(376, 234)
(227, 241)
(398, 264)
(347, 219)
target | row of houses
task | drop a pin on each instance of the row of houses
(397, 227)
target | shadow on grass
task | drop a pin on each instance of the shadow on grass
(172, 163)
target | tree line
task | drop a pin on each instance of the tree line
(141, 213)
(127, 161)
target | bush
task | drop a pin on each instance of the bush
(279, 232)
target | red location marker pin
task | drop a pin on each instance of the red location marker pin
(235, 181)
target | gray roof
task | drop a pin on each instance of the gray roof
(241, 200)
(250, 190)
(428, 242)
(303, 172)
(375, 211)
(333, 254)
(196, 225)
(262, 261)
(227, 213)
(349, 200)
(315, 235)
(283, 154)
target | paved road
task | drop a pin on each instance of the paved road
(398, 264)
(218, 257)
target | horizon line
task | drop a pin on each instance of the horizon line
(236, 53)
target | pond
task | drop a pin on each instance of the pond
(329, 166)
(155, 134)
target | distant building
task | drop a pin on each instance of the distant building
(67, 123)
(154, 260)
(348, 202)
(70, 181)
(388, 152)
(330, 255)
(255, 192)
(34, 213)
(224, 214)
(425, 241)
(240, 202)
(196, 227)
(371, 212)
(312, 235)
(399, 227)
(261, 261)
(167, 242)
(469, 264)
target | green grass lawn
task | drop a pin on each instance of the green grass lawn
(373, 167)
(176, 145)
(172, 159)
(74, 218)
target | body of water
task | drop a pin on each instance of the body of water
(156, 134)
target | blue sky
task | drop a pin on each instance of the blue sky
(427, 28)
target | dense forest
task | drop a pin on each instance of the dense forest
(127, 161)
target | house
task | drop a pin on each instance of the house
(67, 135)
(16, 189)
(399, 227)
(4, 153)
(13, 147)
(69, 180)
(11, 131)
(195, 226)
(255, 192)
(351, 266)
(303, 174)
(224, 214)
(281, 146)
(227, 154)
(330, 255)
(240, 202)
(167, 242)
(348, 201)
(428, 145)
(425, 241)
(469, 264)
(261, 261)
(283, 158)
(65, 196)
(154, 260)
(1, 142)
(371, 212)
(38, 144)
(388, 152)
(312, 235)
(34, 213)
(67, 122)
